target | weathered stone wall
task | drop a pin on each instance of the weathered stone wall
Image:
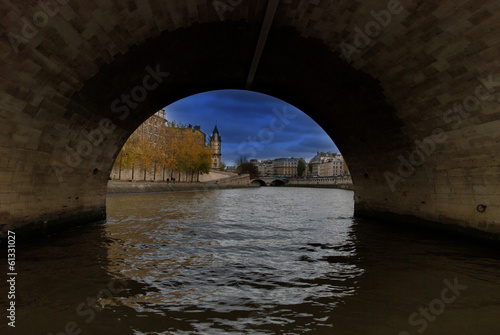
(321, 180)
(117, 187)
(345, 182)
(214, 175)
(138, 174)
(75, 87)
(235, 180)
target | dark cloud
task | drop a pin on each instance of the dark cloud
(245, 122)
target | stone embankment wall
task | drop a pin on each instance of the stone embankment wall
(217, 175)
(326, 182)
(117, 187)
(243, 180)
(161, 174)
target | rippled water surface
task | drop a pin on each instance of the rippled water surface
(253, 261)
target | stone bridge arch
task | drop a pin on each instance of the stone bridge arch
(269, 181)
(278, 182)
(414, 110)
(258, 182)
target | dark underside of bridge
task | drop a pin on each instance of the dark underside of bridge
(413, 155)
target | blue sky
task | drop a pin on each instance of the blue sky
(252, 124)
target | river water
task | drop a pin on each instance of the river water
(252, 261)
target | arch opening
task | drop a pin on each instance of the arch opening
(63, 133)
(258, 182)
(277, 182)
(256, 128)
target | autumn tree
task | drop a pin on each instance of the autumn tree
(171, 138)
(184, 150)
(193, 155)
(126, 157)
(144, 154)
(175, 147)
(301, 168)
(244, 166)
(202, 160)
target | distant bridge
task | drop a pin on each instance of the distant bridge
(270, 181)
(334, 182)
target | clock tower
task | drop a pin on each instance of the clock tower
(215, 145)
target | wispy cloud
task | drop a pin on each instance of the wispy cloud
(241, 114)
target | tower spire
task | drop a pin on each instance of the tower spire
(215, 145)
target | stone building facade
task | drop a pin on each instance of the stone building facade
(286, 167)
(328, 164)
(215, 145)
(152, 127)
(154, 130)
(279, 167)
(266, 168)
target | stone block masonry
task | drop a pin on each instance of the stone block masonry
(432, 55)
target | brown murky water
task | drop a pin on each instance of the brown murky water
(251, 261)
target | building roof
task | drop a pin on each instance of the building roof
(215, 135)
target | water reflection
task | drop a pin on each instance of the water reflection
(230, 257)
(252, 261)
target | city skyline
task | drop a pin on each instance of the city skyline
(253, 125)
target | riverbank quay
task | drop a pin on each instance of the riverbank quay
(122, 187)
(349, 187)
(344, 183)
